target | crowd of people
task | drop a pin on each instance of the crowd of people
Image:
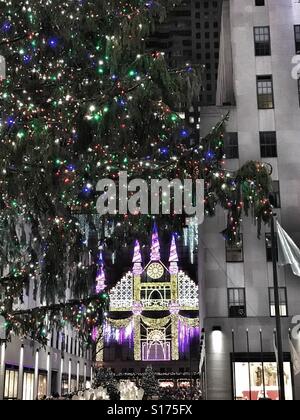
(55, 396)
(167, 394)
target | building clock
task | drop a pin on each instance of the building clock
(155, 271)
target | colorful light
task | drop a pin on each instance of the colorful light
(120, 335)
(100, 277)
(137, 259)
(186, 335)
(6, 27)
(89, 104)
(174, 308)
(137, 256)
(137, 308)
(155, 247)
(173, 259)
(53, 42)
(184, 133)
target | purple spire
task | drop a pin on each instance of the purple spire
(173, 251)
(137, 259)
(100, 277)
(100, 259)
(155, 247)
(173, 259)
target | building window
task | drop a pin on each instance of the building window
(42, 385)
(297, 38)
(64, 384)
(11, 384)
(298, 81)
(235, 251)
(282, 301)
(265, 92)
(268, 144)
(259, 2)
(237, 303)
(262, 40)
(269, 247)
(231, 146)
(28, 381)
(258, 379)
(275, 195)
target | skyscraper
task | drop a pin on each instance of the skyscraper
(153, 318)
(191, 34)
(259, 86)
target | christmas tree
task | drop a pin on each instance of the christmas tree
(149, 383)
(82, 100)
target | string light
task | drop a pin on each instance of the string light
(79, 105)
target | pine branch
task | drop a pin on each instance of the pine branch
(58, 307)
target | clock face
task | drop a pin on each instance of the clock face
(155, 271)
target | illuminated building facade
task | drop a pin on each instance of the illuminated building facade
(259, 86)
(153, 317)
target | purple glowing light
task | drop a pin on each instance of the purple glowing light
(53, 42)
(95, 334)
(173, 259)
(164, 151)
(155, 247)
(27, 59)
(137, 308)
(137, 259)
(184, 133)
(118, 335)
(71, 167)
(174, 308)
(186, 335)
(87, 188)
(10, 121)
(100, 278)
(6, 27)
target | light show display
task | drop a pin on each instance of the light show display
(163, 305)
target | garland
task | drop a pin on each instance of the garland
(153, 322)
(190, 322)
(156, 323)
(119, 323)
